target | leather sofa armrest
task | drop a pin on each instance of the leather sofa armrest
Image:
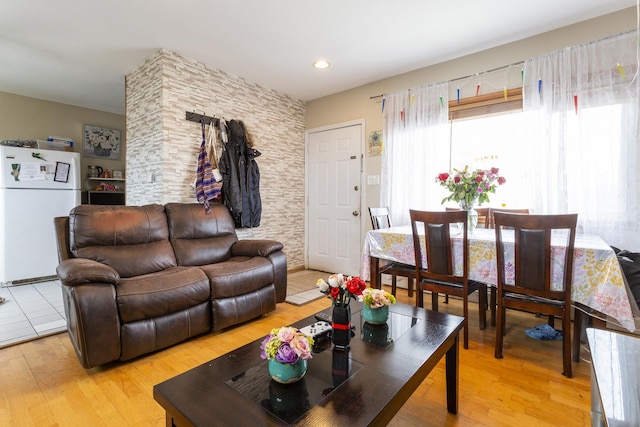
(255, 247)
(77, 271)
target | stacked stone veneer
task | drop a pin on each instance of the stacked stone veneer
(162, 147)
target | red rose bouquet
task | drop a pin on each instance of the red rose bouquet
(342, 288)
(467, 186)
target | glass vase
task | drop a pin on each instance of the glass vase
(472, 215)
(341, 328)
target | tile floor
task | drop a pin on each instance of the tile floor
(31, 311)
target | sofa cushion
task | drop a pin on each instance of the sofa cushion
(159, 294)
(116, 235)
(199, 238)
(238, 276)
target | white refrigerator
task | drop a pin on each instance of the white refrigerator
(35, 186)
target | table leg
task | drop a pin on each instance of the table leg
(452, 367)
(374, 272)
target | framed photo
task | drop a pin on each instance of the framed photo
(62, 172)
(101, 142)
(117, 174)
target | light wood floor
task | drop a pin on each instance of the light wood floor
(42, 383)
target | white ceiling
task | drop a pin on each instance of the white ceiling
(78, 51)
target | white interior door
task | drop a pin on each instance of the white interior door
(334, 199)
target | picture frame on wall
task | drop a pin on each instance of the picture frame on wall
(101, 142)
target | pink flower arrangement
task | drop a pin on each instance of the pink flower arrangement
(376, 298)
(470, 186)
(286, 345)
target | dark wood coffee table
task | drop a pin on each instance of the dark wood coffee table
(364, 385)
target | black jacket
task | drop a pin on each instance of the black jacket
(241, 178)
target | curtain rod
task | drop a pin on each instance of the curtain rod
(503, 67)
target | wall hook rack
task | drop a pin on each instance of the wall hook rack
(198, 118)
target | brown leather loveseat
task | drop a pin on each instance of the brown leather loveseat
(137, 279)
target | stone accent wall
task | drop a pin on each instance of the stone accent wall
(162, 146)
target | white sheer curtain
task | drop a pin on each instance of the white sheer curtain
(583, 136)
(416, 148)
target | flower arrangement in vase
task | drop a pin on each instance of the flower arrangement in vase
(376, 302)
(470, 187)
(287, 349)
(341, 289)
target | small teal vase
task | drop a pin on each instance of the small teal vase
(375, 316)
(287, 373)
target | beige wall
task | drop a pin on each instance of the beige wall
(29, 118)
(356, 103)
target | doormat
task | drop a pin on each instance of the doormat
(302, 288)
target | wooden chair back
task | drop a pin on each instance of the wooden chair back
(489, 220)
(437, 244)
(380, 218)
(532, 264)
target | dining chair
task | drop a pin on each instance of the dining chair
(490, 223)
(432, 237)
(380, 218)
(526, 268)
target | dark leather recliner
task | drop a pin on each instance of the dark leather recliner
(141, 278)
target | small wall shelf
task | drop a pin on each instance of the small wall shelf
(103, 197)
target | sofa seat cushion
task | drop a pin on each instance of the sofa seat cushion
(158, 294)
(238, 276)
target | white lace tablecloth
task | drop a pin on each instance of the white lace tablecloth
(597, 278)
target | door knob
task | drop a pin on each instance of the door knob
(356, 188)
(355, 213)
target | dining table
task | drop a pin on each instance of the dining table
(597, 279)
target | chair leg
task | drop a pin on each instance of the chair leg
(492, 305)
(566, 344)
(499, 332)
(482, 304)
(465, 313)
(551, 320)
(419, 295)
(410, 286)
(578, 319)
(434, 301)
(394, 282)
(446, 299)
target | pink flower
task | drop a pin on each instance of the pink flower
(456, 179)
(443, 176)
(286, 334)
(495, 170)
(501, 180)
(301, 346)
(479, 178)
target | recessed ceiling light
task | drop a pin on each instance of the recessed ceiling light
(321, 64)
